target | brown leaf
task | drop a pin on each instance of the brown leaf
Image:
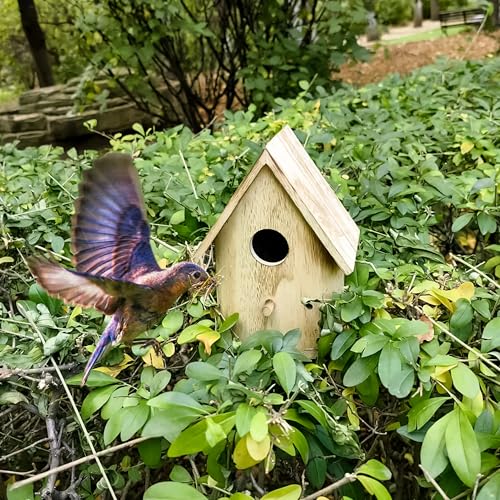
(429, 334)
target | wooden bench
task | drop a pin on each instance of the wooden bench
(461, 17)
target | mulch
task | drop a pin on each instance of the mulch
(405, 58)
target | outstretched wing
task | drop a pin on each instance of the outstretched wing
(87, 290)
(70, 286)
(110, 230)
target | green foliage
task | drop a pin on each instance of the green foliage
(198, 59)
(407, 353)
(393, 12)
(16, 64)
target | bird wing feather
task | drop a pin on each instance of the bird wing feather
(110, 231)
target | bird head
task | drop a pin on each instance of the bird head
(192, 275)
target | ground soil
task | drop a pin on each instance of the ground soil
(405, 58)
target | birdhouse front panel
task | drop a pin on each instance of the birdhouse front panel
(272, 262)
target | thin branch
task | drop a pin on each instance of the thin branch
(434, 483)
(474, 268)
(348, 478)
(79, 461)
(6, 373)
(480, 355)
(32, 445)
(75, 410)
(188, 174)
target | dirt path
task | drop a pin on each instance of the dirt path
(405, 58)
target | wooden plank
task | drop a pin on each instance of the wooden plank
(271, 297)
(315, 198)
(310, 192)
(203, 247)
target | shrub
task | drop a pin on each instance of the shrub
(406, 367)
(394, 12)
(185, 62)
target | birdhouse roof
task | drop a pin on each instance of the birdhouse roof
(294, 169)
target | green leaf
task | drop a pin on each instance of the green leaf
(462, 447)
(23, 493)
(462, 221)
(190, 333)
(200, 370)
(163, 424)
(342, 343)
(159, 382)
(178, 404)
(490, 491)
(193, 439)
(258, 425)
(96, 379)
(133, 419)
(461, 320)
(487, 223)
(389, 365)
(351, 310)
(433, 452)
(375, 469)
(300, 442)
(214, 433)
(373, 487)
(423, 411)
(286, 370)
(290, 492)
(173, 321)
(96, 400)
(113, 427)
(246, 361)
(359, 371)
(465, 380)
(178, 217)
(12, 398)
(150, 452)
(228, 323)
(180, 474)
(169, 490)
(114, 403)
(55, 344)
(491, 336)
(244, 416)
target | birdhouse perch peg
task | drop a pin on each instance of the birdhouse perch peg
(283, 236)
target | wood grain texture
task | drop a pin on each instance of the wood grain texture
(311, 194)
(270, 297)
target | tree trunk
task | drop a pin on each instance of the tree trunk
(435, 10)
(36, 40)
(417, 14)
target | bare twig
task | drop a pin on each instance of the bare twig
(32, 445)
(348, 478)
(188, 174)
(434, 483)
(76, 412)
(474, 268)
(79, 461)
(54, 444)
(17, 473)
(480, 355)
(7, 373)
(256, 485)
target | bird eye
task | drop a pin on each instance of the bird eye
(197, 275)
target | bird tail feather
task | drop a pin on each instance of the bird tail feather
(105, 341)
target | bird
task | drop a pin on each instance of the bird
(115, 269)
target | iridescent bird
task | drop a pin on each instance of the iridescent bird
(116, 271)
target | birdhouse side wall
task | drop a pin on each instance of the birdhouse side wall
(272, 297)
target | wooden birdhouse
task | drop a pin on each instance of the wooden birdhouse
(284, 238)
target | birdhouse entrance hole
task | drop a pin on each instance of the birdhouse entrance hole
(269, 247)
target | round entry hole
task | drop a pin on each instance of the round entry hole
(269, 247)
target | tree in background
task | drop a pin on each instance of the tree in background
(36, 39)
(186, 61)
